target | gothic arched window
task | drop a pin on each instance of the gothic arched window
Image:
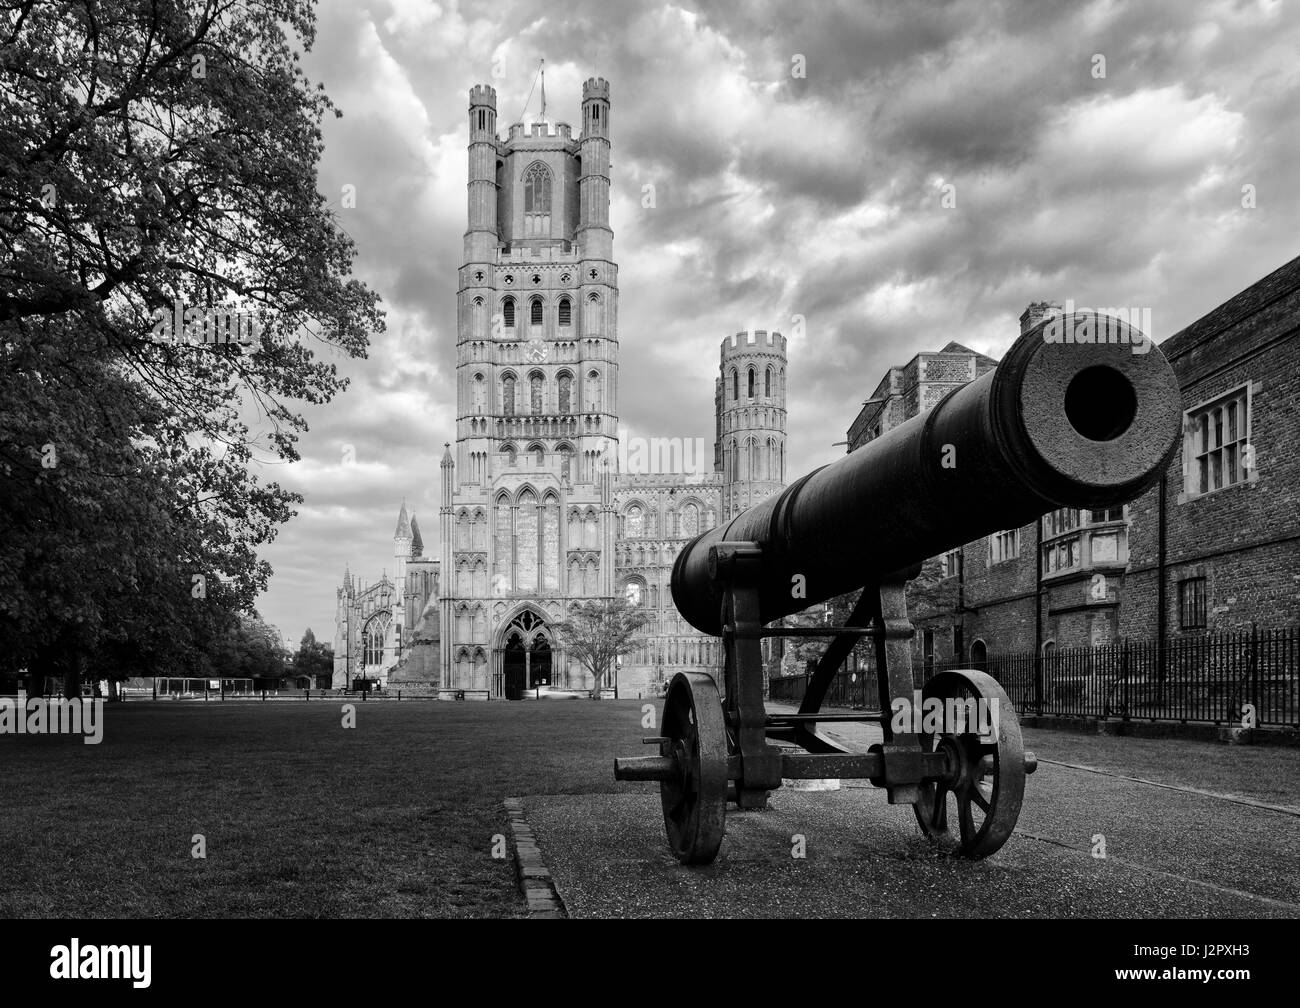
(690, 520)
(593, 392)
(767, 383)
(373, 641)
(477, 317)
(566, 312)
(508, 313)
(634, 522)
(535, 392)
(735, 385)
(751, 383)
(591, 322)
(508, 395)
(537, 201)
(566, 393)
(535, 311)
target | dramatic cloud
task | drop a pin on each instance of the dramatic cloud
(779, 195)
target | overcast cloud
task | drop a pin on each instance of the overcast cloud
(779, 196)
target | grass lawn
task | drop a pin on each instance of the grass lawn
(301, 817)
(394, 818)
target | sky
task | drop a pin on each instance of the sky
(873, 179)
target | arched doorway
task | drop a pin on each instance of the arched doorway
(514, 665)
(526, 655)
(979, 655)
(540, 663)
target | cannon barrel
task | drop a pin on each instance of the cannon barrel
(1060, 422)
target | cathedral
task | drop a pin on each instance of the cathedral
(541, 506)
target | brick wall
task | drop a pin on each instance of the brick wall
(1244, 539)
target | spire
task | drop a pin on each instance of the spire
(446, 455)
(543, 73)
(417, 543)
(403, 524)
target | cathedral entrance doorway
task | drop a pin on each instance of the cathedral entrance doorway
(526, 656)
(515, 666)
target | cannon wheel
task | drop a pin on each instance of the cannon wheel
(987, 785)
(695, 801)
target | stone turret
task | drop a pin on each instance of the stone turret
(750, 403)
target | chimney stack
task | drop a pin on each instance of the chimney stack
(1036, 312)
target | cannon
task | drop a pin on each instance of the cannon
(1089, 420)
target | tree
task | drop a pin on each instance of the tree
(313, 658)
(158, 179)
(249, 649)
(928, 594)
(599, 633)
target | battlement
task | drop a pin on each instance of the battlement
(754, 339)
(540, 131)
(595, 87)
(483, 94)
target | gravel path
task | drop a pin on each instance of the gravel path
(1169, 854)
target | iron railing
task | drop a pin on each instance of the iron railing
(1223, 678)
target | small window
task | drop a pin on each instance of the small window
(482, 119)
(508, 395)
(535, 312)
(1191, 604)
(1062, 554)
(951, 563)
(634, 522)
(1216, 444)
(508, 312)
(767, 383)
(1004, 546)
(1060, 521)
(1107, 515)
(566, 312)
(735, 385)
(751, 383)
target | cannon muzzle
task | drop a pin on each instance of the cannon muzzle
(1083, 411)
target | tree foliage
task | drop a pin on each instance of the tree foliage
(313, 658)
(598, 633)
(155, 158)
(928, 593)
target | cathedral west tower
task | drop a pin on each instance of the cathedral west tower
(527, 508)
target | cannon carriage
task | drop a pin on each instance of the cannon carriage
(1058, 423)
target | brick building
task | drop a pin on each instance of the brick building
(1215, 545)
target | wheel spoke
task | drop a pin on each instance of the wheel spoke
(978, 796)
(967, 820)
(940, 814)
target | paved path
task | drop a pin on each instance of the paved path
(1170, 852)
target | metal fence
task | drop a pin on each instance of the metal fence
(1207, 677)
